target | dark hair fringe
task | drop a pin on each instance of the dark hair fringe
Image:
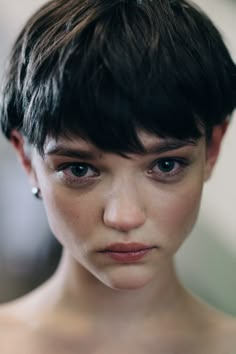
(102, 69)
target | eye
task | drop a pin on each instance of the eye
(80, 170)
(166, 166)
(168, 169)
(77, 173)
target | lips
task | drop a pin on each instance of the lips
(127, 247)
(127, 252)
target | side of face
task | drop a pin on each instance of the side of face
(95, 199)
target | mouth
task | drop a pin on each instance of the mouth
(127, 252)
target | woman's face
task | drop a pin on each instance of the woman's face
(122, 219)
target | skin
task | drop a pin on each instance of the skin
(94, 303)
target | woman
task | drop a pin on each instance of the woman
(117, 111)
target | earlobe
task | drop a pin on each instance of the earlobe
(213, 147)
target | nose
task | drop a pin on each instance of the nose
(124, 210)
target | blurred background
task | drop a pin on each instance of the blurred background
(29, 253)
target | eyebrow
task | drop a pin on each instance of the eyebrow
(60, 150)
(169, 145)
(157, 148)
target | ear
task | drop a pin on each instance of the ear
(213, 147)
(24, 154)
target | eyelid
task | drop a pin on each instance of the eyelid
(73, 180)
(65, 165)
(171, 175)
(181, 160)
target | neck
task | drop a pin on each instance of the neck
(80, 292)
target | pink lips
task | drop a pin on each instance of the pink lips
(127, 252)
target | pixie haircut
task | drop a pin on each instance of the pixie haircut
(102, 69)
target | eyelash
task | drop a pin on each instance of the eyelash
(162, 176)
(61, 170)
(174, 173)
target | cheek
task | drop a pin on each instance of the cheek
(71, 216)
(175, 213)
(185, 210)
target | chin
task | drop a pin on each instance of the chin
(129, 279)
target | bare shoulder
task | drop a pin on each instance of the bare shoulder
(19, 323)
(218, 329)
(224, 334)
(8, 318)
(14, 314)
(208, 330)
(12, 330)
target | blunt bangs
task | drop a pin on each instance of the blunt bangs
(104, 69)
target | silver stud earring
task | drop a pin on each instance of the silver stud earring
(36, 192)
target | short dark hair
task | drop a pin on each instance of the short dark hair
(104, 68)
